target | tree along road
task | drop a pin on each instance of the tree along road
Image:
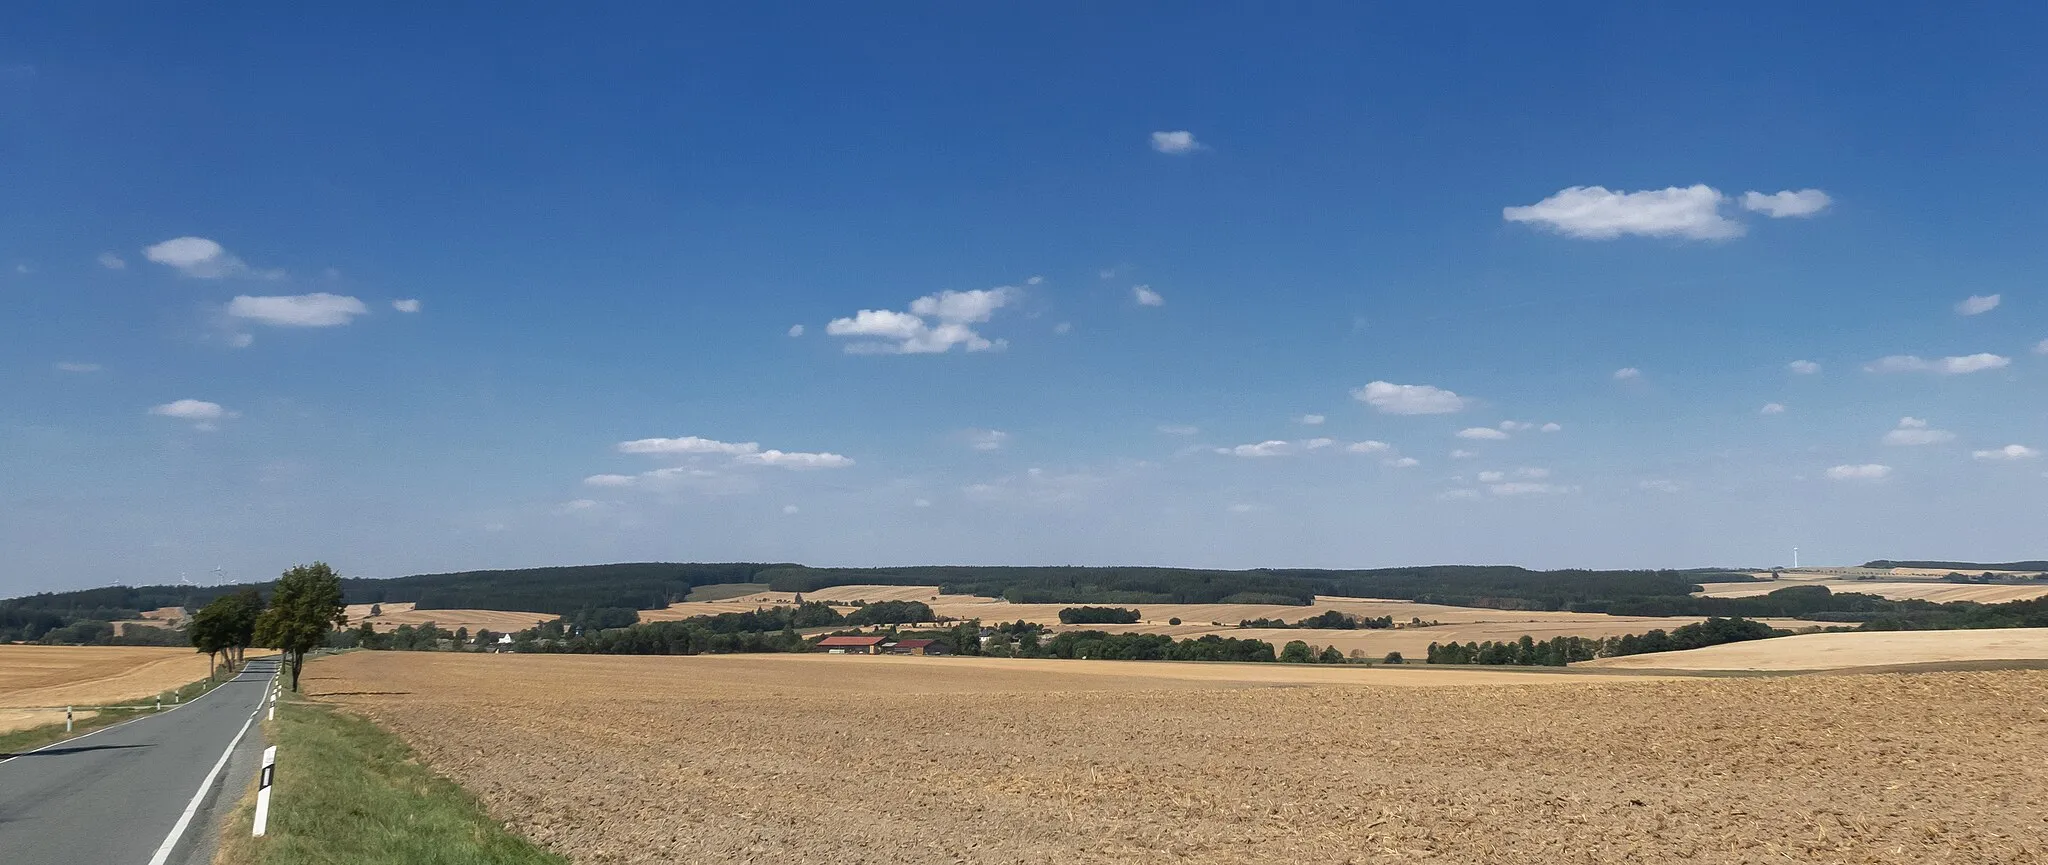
(146, 792)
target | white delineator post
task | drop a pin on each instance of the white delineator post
(263, 790)
(67, 719)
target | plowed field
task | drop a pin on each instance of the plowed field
(817, 759)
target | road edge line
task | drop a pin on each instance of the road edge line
(88, 735)
(163, 853)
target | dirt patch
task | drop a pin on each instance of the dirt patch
(808, 759)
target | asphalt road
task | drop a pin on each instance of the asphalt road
(115, 797)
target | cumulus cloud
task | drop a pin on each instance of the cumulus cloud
(318, 309)
(789, 509)
(1781, 205)
(1404, 462)
(1659, 485)
(891, 332)
(1914, 431)
(1596, 213)
(1408, 398)
(1178, 429)
(1481, 433)
(111, 261)
(1515, 426)
(1311, 419)
(921, 503)
(2041, 347)
(410, 304)
(1944, 366)
(781, 459)
(1803, 367)
(1247, 507)
(1063, 328)
(1146, 296)
(1316, 444)
(1865, 472)
(1272, 448)
(2009, 452)
(1527, 488)
(577, 505)
(73, 366)
(1772, 408)
(1627, 373)
(796, 330)
(608, 481)
(1977, 304)
(687, 445)
(1177, 142)
(987, 439)
(1491, 477)
(200, 258)
(1532, 473)
(1462, 454)
(204, 415)
(1550, 427)
(1368, 446)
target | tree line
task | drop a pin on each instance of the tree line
(1559, 651)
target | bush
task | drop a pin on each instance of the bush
(1395, 658)
(1173, 621)
(1098, 616)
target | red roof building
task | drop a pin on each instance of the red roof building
(852, 645)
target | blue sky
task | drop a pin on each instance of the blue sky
(610, 221)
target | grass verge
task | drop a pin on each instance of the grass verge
(89, 719)
(347, 791)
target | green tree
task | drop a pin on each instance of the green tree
(1296, 652)
(1395, 657)
(1331, 655)
(461, 638)
(484, 637)
(304, 607)
(239, 620)
(208, 632)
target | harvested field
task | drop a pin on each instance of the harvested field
(1847, 650)
(501, 621)
(816, 759)
(1938, 592)
(35, 679)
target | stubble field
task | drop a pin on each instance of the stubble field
(814, 759)
(35, 678)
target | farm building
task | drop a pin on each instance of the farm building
(917, 647)
(852, 645)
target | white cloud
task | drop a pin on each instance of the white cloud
(1034, 280)
(318, 309)
(1462, 454)
(796, 330)
(987, 439)
(242, 340)
(1481, 433)
(1550, 427)
(410, 304)
(1526, 488)
(1977, 304)
(921, 503)
(1404, 462)
(2009, 452)
(200, 258)
(1316, 444)
(608, 481)
(203, 414)
(2041, 347)
(1273, 448)
(1532, 473)
(111, 261)
(1780, 205)
(1311, 419)
(575, 505)
(1515, 426)
(1803, 367)
(789, 509)
(687, 445)
(1146, 296)
(909, 333)
(1595, 213)
(1914, 431)
(1865, 472)
(1177, 142)
(1492, 477)
(1659, 485)
(1627, 373)
(781, 459)
(1178, 429)
(1945, 366)
(1246, 508)
(1368, 446)
(1772, 408)
(1063, 328)
(1408, 398)
(71, 366)
(1455, 495)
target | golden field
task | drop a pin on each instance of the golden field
(393, 615)
(36, 682)
(817, 759)
(1938, 592)
(1847, 650)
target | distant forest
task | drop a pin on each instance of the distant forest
(1963, 567)
(568, 591)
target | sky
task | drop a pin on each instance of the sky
(1221, 285)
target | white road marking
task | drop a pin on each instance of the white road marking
(163, 853)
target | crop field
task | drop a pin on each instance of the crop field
(393, 615)
(33, 679)
(817, 759)
(1938, 592)
(1845, 650)
(1454, 624)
